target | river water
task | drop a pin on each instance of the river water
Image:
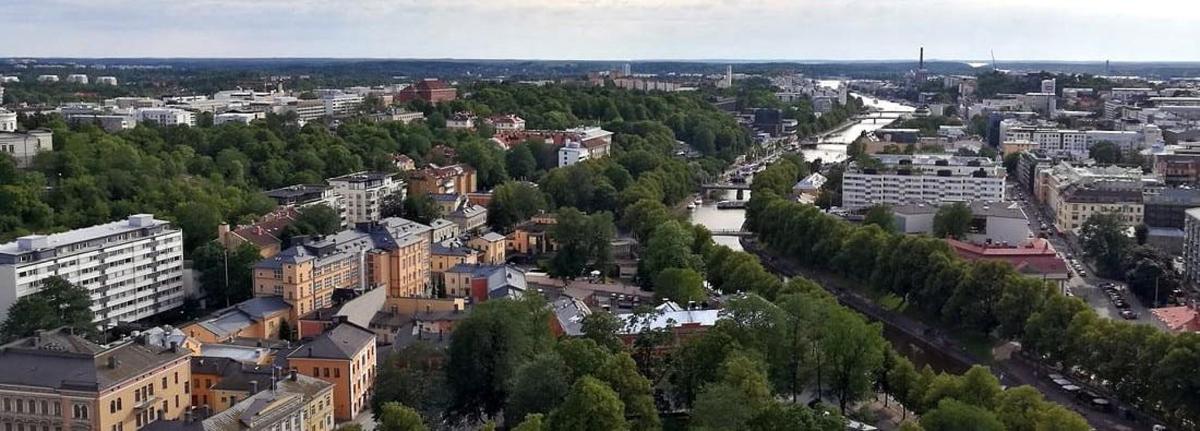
(831, 149)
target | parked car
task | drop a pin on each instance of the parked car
(1128, 315)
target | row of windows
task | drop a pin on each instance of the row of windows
(18, 405)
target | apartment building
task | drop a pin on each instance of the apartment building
(1051, 183)
(363, 193)
(57, 380)
(907, 179)
(341, 105)
(23, 146)
(258, 318)
(506, 123)
(166, 117)
(8, 120)
(484, 282)
(306, 195)
(1077, 202)
(132, 268)
(445, 255)
(461, 121)
(266, 400)
(1073, 143)
(453, 179)
(345, 357)
(392, 254)
(1179, 164)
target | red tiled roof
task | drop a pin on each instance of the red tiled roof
(1037, 257)
(1178, 319)
(266, 231)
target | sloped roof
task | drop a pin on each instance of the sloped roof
(341, 342)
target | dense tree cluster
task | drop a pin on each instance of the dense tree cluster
(1149, 272)
(1139, 363)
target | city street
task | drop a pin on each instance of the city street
(1086, 288)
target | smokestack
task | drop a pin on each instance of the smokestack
(921, 63)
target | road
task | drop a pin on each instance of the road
(1086, 288)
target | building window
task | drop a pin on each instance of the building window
(337, 372)
(316, 372)
(164, 382)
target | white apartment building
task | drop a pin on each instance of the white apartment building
(573, 152)
(166, 116)
(237, 117)
(341, 105)
(132, 268)
(8, 120)
(106, 80)
(363, 194)
(911, 179)
(78, 78)
(24, 146)
(47, 78)
(1071, 143)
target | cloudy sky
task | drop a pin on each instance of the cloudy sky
(606, 29)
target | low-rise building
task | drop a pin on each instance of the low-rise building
(491, 247)
(270, 401)
(532, 237)
(1035, 258)
(59, 380)
(904, 179)
(461, 121)
(991, 222)
(444, 229)
(448, 254)
(429, 90)
(506, 123)
(237, 117)
(265, 234)
(484, 282)
(24, 146)
(260, 318)
(469, 217)
(166, 117)
(345, 357)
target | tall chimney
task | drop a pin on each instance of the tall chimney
(921, 64)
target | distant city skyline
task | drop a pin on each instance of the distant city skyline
(735, 30)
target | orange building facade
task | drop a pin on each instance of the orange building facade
(344, 356)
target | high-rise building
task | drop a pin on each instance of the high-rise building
(132, 268)
(910, 179)
(1048, 86)
(1191, 245)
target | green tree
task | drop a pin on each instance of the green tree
(520, 162)
(1105, 152)
(420, 208)
(731, 402)
(952, 415)
(532, 422)
(681, 285)
(621, 373)
(318, 220)
(952, 221)
(1103, 239)
(854, 350)
(398, 417)
(538, 387)
(643, 216)
(227, 276)
(590, 406)
(486, 350)
(603, 328)
(670, 246)
(882, 216)
(413, 377)
(582, 240)
(59, 303)
(512, 203)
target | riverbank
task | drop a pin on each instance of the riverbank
(1012, 371)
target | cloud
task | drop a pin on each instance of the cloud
(605, 29)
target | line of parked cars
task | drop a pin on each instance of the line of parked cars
(1116, 294)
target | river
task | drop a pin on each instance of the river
(831, 149)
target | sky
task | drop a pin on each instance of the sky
(1069, 30)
